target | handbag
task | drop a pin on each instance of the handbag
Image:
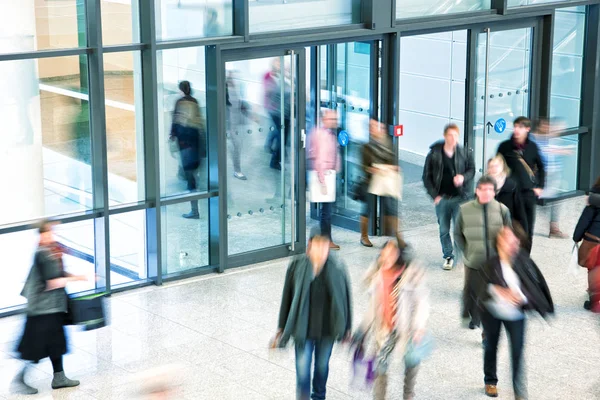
(363, 369)
(386, 183)
(315, 187)
(417, 352)
(589, 251)
(359, 190)
(87, 312)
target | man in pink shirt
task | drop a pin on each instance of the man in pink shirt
(323, 155)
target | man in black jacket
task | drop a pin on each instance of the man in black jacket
(523, 157)
(448, 178)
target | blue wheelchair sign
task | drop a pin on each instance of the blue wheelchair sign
(500, 125)
(343, 138)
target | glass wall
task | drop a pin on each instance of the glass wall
(184, 19)
(567, 65)
(281, 15)
(422, 8)
(120, 21)
(517, 3)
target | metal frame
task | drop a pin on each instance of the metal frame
(378, 23)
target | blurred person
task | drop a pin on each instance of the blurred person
(160, 383)
(510, 284)
(587, 232)
(524, 159)
(448, 178)
(507, 191)
(47, 307)
(323, 155)
(212, 27)
(379, 152)
(316, 311)
(396, 314)
(476, 229)
(238, 111)
(551, 156)
(272, 83)
(188, 131)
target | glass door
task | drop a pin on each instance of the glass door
(502, 88)
(264, 154)
(347, 83)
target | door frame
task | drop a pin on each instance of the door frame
(299, 205)
(535, 78)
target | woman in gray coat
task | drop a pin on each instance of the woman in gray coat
(44, 334)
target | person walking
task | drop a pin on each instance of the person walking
(238, 112)
(378, 155)
(448, 178)
(396, 315)
(323, 156)
(316, 311)
(510, 284)
(524, 159)
(587, 232)
(188, 131)
(477, 227)
(507, 191)
(44, 333)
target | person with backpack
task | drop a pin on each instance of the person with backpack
(524, 159)
(510, 284)
(477, 226)
(47, 306)
(396, 316)
(587, 232)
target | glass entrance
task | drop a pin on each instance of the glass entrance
(263, 152)
(502, 91)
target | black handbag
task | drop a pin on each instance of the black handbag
(358, 190)
(87, 312)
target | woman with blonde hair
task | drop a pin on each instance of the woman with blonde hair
(507, 191)
(396, 317)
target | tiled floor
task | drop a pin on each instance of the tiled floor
(215, 329)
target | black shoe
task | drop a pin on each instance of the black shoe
(276, 166)
(472, 325)
(191, 215)
(587, 305)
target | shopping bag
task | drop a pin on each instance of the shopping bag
(363, 369)
(417, 352)
(315, 188)
(386, 182)
(87, 312)
(574, 266)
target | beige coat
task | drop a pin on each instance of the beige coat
(412, 311)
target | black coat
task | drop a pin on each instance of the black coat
(510, 195)
(532, 156)
(533, 283)
(434, 169)
(589, 221)
(594, 199)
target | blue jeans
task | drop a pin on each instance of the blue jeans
(326, 211)
(447, 211)
(304, 354)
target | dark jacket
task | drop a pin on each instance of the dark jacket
(371, 156)
(433, 170)
(594, 199)
(589, 221)
(39, 300)
(510, 195)
(533, 283)
(533, 158)
(294, 311)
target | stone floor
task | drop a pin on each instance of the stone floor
(216, 329)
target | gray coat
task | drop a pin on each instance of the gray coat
(476, 229)
(39, 300)
(294, 311)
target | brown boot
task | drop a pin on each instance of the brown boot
(364, 232)
(391, 228)
(555, 232)
(491, 390)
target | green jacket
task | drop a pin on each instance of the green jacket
(476, 229)
(294, 311)
(39, 300)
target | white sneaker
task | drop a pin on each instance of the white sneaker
(448, 264)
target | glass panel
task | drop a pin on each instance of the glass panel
(420, 8)
(182, 144)
(517, 3)
(128, 247)
(42, 25)
(436, 66)
(45, 159)
(282, 15)
(184, 241)
(181, 19)
(258, 95)
(567, 65)
(124, 127)
(120, 22)
(508, 97)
